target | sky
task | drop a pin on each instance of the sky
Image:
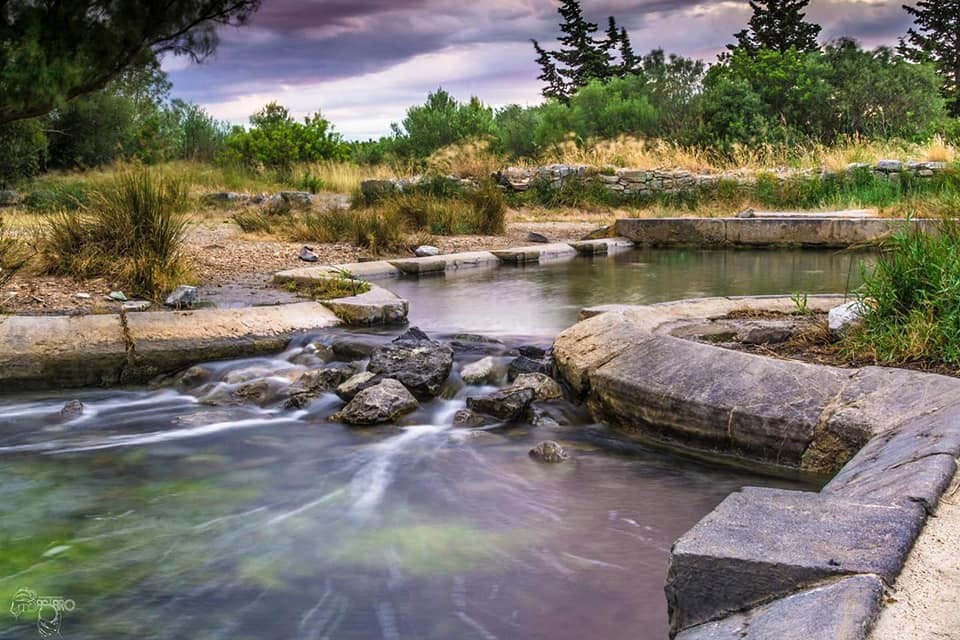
(363, 62)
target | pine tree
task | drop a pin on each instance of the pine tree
(582, 58)
(554, 87)
(629, 62)
(936, 39)
(778, 25)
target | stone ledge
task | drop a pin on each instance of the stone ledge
(772, 564)
(43, 352)
(535, 253)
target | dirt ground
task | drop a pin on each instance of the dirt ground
(235, 269)
(925, 603)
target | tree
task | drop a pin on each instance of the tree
(276, 140)
(52, 52)
(583, 58)
(629, 62)
(936, 39)
(554, 86)
(673, 82)
(777, 25)
(440, 122)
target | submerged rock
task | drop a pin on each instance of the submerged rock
(549, 451)
(194, 376)
(471, 419)
(261, 392)
(543, 386)
(182, 296)
(419, 363)
(484, 371)
(381, 403)
(317, 381)
(72, 409)
(506, 404)
(842, 318)
(357, 383)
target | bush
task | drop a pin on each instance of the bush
(132, 230)
(913, 300)
(275, 140)
(440, 122)
(57, 195)
(24, 145)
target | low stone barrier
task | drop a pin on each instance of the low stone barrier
(770, 564)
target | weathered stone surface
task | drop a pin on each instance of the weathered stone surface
(549, 451)
(376, 306)
(762, 544)
(705, 397)
(468, 419)
(296, 198)
(674, 231)
(532, 351)
(262, 392)
(602, 246)
(182, 297)
(543, 386)
(537, 253)
(316, 381)
(845, 316)
(522, 364)
(483, 371)
(421, 266)
(357, 383)
(766, 332)
(426, 251)
(382, 403)
(421, 364)
(842, 609)
(505, 404)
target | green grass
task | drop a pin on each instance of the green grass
(913, 301)
(337, 286)
(132, 231)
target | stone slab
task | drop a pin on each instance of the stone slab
(304, 275)
(376, 306)
(763, 544)
(673, 231)
(602, 247)
(420, 266)
(535, 253)
(375, 270)
(470, 259)
(839, 610)
(854, 214)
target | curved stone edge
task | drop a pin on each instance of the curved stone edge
(801, 230)
(769, 564)
(376, 306)
(97, 350)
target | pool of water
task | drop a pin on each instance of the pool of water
(161, 514)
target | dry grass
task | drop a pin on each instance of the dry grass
(339, 177)
(467, 160)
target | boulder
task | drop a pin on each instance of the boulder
(484, 371)
(381, 403)
(182, 296)
(522, 365)
(549, 451)
(357, 383)
(505, 404)
(426, 251)
(296, 198)
(532, 351)
(419, 363)
(307, 254)
(537, 238)
(72, 409)
(543, 386)
(317, 381)
(842, 318)
(471, 420)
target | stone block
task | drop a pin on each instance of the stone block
(673, 231)
(420, 266)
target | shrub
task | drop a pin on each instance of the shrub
(132, 230)
(24, 145)
(57, 195)
(440, 122)
(278, 141)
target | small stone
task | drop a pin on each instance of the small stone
(765, 334)
(312, 383)
(537, 238)
(549, 451)
(136, 305)
(543, 386)
(482, 371)
(506, 404)
(357, 383)
(747, 213)
(82, 296)
(426, 251)
(117, 296)
(842, 318)
(889, 165)
(72, 409)
(384, 402)
(182, 296)
(307, 254)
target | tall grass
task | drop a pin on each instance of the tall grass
(132, 230)
(913, 300)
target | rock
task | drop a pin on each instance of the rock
(307, 254)
(522, 365)
(471, 420)
(223, 196)
(419, 363)
(747, 213)
(472, 343)
(354, 349)
(506, 404)
(82, 296)
(841, 318)
(136, 305)
(357, 383)
(117, 296)
(262, 392)
(182, 296)
(532, 351)
(381, 403)
(317, 381)
(10, 198)
(426, 251)
(296, 198)
(549, 451)
(72, 409)
(194, 376)
(483, 371)
(543, 386)
(889, 166)
(537, 238)
(766, 334)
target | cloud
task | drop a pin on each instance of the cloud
(364, 61)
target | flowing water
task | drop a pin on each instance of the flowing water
(163, 513)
